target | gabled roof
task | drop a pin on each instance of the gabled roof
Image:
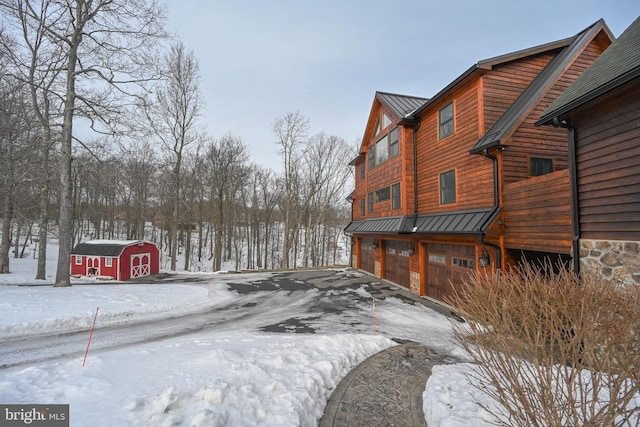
(617, 65)
(401, 105)
(104, 247)
(489, 63)
(530, 97)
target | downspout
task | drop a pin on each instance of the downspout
(496, 207)
(573, 177)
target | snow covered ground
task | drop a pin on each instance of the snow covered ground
(239, 377)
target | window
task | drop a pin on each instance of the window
(108, 262)
(382, 150)
(386, 121)
(78, 259)
(383, 194)
(448, 187)
(395, 196)
(371, 157)
(361, 207)
(540, 166)
(445, 120)
(370, 202)
(376, 128)
(393, 143)
(362, 170)
(438, 259)
(463, 263)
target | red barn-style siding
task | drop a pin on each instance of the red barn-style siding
(118, 259)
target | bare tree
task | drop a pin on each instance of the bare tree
(326, 171)
(291, 132)
(38, 64)
(106, 43)
(228, 168)
(173, 115)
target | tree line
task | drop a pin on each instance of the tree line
(102, 136)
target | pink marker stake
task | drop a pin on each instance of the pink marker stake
(90, 336)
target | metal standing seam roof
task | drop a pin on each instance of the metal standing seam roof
(536, 90)
(467, 222)
(617, 65)
(401, 105)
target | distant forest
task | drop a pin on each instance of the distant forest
(101, 137)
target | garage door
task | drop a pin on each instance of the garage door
(396, 263)
(447, 267)
(367, 256)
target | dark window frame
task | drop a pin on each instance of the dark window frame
(394, 142)
(370, 202)
(448, 187)
(395, 196)
(371, 157)
(539, 166)
(382, 194)
(446, 121)
(362, 207)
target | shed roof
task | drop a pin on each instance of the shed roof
(467, 222)
(104, 247)
(617, 65)
(512, 117)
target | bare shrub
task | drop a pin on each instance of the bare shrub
(552, 349)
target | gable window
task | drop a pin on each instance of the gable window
(362, 207)
(362, 170)
(370, 202)
(445, 120)
(386, 121)
(448, 187)
(382, 150)
(78, 259)
(393, 143)
(108, 261)
(376, 128)
(371, 157)
(383, 194)
(540, 166)
(395, 196)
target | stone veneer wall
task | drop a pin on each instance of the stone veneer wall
(354, 261)
(415, 283)
(615, 259)
(378, 270)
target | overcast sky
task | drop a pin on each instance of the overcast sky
(260, 59)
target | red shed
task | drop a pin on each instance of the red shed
(120, 259)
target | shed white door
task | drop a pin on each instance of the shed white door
(93, 266)
(140, 265)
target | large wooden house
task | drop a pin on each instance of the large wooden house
(464, 181)
(602, 111)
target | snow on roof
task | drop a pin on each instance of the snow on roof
(112, 242)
